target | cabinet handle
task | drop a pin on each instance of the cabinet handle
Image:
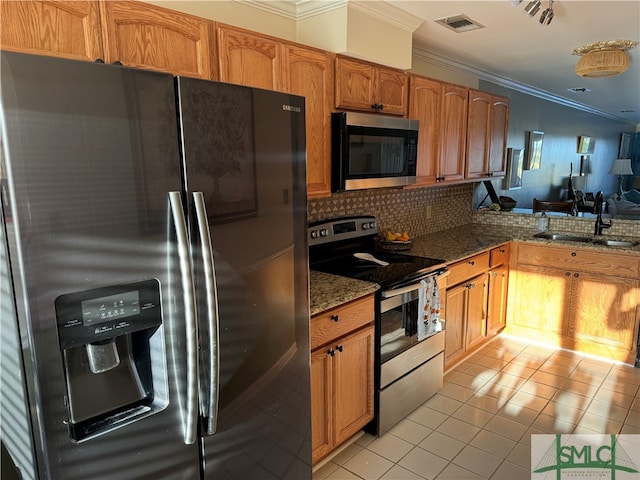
(471, 262)
(573, 254)
(576, 275)
(567, 274)
(339, 348)
(335, 317)
(470, 285)
(502, 250)
(331, 352)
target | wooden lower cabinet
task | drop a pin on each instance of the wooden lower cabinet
(579, 299)
(476, 300)
(466, 318)
(341, 378)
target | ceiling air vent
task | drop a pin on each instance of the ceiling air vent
(459, 23)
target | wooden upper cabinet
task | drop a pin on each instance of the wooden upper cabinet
(453, 130)
(61, 29)
(499, 130)
(371, 88)
(250, 59)
(146, 36)
(309, 72)
(425, 105)
(486, 135)
(478, 134)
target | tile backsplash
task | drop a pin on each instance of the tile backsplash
(418, 210)
(421, 211)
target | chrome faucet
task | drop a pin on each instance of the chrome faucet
(600, 225)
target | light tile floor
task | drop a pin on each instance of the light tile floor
(479, 425)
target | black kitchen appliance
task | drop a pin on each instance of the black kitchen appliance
(409, 355)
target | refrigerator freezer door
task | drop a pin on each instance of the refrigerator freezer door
(244, 150)
(91, 152)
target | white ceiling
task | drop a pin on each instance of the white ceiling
(516, 48)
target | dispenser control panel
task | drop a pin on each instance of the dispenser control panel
(104, 313)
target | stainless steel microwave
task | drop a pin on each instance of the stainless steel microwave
(372, 151)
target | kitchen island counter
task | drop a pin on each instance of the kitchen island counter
(457, 243)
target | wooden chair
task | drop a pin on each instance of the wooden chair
(568, 207)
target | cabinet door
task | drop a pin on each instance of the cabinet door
(146, 36)
(355, 85)
(60, 29)
(249, 59)
(603, 313)
(498, 138)
(321, 395)
(455, 325)
(425, 105)
(391, 91)
(497, 302)
(541, 299)
(309, 73)
(478, 134)
(353, 387)
(476, 314)
(453, 131)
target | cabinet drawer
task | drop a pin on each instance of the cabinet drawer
(468, 268)
(339, 321)
(499, 256)
(583, 259)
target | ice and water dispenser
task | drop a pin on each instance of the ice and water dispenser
(112, 367)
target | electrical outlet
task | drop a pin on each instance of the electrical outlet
(427, 212)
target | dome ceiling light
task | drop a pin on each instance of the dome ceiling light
(603, 59)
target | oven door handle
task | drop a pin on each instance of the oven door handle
(410, 288)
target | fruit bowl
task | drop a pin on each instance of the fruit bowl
(392, 245)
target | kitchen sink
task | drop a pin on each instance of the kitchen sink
(616, 243)
(562, 237)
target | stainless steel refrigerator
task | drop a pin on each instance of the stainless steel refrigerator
(153, 257)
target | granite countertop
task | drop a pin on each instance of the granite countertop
(328, 291)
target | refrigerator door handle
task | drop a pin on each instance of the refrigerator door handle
(213, 362)
(191, 326)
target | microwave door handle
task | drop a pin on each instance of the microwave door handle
(191, 326)
(213, 325)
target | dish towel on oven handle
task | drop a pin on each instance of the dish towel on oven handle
(428, 308)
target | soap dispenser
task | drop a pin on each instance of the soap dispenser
(543, 222)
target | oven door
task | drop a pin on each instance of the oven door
(399, 312)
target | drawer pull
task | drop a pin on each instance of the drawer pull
(573, 254)
(502, 250)
(335, 317)
(339, 348)
(567, 274)
(471, 262)
(576, 275)
(331, 352)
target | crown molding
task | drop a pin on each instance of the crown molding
(388, 13)
(441, 61)
(303, 9)
(294, 9)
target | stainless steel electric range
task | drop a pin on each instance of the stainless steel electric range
(409, 345)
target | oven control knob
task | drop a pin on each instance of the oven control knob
(324, 232)
(372, 224)
(365, 226)
(314, 234)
